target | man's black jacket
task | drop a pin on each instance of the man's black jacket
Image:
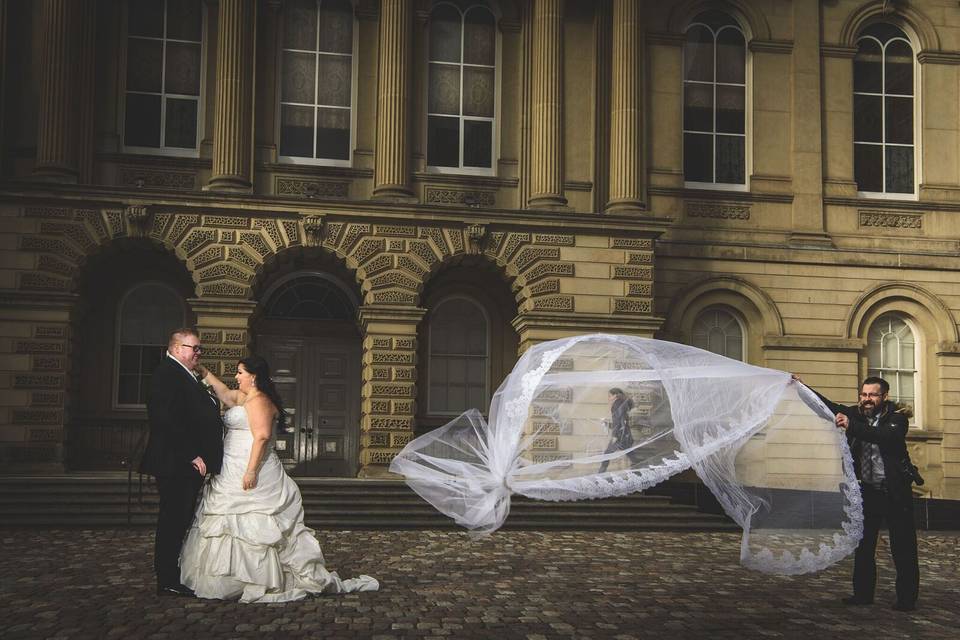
(890, 435)
(184, 423)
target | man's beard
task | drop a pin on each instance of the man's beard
(868, 409)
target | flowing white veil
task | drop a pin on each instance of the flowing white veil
(765, 446)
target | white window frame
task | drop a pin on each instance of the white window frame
(354, 76)
(918, 350)
(736, 317)
(889, 195)
(201, 102)
(495, 129)
(747, 111)
(486, 373)
(115, 394)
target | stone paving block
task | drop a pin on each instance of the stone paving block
(90, 583)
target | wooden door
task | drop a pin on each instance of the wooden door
(319, 380)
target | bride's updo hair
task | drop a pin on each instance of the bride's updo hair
(258, 367)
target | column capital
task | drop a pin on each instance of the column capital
(381, 314)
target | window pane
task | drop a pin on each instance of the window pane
(906, 355)
(868, 167)
(868, 67)
(477, 143)
(730, 109)
(479, 37)
(300, 24)
(129, 360)
(478, 88)
(731, 56)
(145, 18)
(900, 169)
(698, 54)
(698, 107)
(183, 69)
(145, 389)
(899, 71)
(336, 26)
(184, 19)
(128, 390)
(181, 129)
(296, 131)
(730, 159)
(697, 157)
(443, 142)
(899, 120)
(335, 80)
(144, 65)
(142, 121)
(456, 398)
(150, 357)
(445, 28)
(867, 118)
(333, 134)
(299, 71)
(444, 96)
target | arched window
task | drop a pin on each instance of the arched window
(164, 68)
(462, 88)
(309, 297)
(147, 315)
(719, 331)
(459, 357)
(883, 122)
(714, 102)
(891, 355)
(316, 81)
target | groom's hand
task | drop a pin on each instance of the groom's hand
(199, 465)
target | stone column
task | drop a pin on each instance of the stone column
(391, 174)
(56, 117)
(389, 383)
(546, 171)
(233, 125)
(626, 126)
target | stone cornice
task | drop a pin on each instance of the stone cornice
(771, 46)
(222, 306)
(37, 299)
(811, 343)
(726, 196)
(294, 207)
(837, 51)
(386, 313)
(938, 57)
(665, 38)
(586, 322)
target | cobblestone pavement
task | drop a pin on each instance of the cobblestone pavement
(73, 583)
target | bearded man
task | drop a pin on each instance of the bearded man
(876, 431)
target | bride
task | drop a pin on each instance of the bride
(248, 539)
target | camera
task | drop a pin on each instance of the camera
(911, 472)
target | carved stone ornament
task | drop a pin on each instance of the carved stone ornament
(313, 227)
(476, 234)
(138, 219)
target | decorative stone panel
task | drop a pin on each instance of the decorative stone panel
(394, 297)
(42, 282)
(556, 239)
(37, 416)
(47, 212)
(410, 265)
(272, 230)
(49, 263)
(887, 220)
(310, 188)
(466, 197)
(180, 225)
(553, 303)
(623, 272)
(438, 239)
(46, 398)
(380, 406)
(393, 279)
(645, 257)
(94, 221)
(47, 363)
(140, 178)
(224, 271)
(640, 289)
(368, 247)
(116, 222)
(545, 287)
(238, 255)
(379, 264)
(378, 439)
(51, 245)
(514, 242)
(75, 232)
(424, 251)
(717, 210)
(37, 381)
(402, 406)
(208, 256)
(48, 331)
(353, 233)
(257, 242)
(291, 229)
(632, 305)
(223, 290)
(37, 346)
(545, 269)
(532, 255)
(396, 230)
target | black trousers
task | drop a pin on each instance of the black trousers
(877, 508)
(178, 499)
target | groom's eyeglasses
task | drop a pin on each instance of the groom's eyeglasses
(196, 347)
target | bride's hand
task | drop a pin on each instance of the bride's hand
(249, 480)
(202, 370)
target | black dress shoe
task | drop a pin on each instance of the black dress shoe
(175, 590)
(903, 606)
(856, 601)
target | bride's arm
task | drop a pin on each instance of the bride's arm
(229, 397)
(260, 412)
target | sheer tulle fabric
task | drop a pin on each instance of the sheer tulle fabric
(253, 546)
(765, 446)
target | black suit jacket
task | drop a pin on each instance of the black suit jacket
(890, 435)
(184, 423)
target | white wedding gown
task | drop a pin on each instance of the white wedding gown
(253, 545)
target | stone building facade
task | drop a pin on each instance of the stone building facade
(392, 199)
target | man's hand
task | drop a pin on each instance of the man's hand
(842, 421)
(200, 466)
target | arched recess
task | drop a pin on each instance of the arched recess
(479, 282)
(753, 21)
(755, 309)
(103, 434)
(914, 22)
(932, 324)
(306, 326)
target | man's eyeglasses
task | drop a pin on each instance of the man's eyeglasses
(871, 395)
(196, 347)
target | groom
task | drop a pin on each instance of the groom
(186, 443)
